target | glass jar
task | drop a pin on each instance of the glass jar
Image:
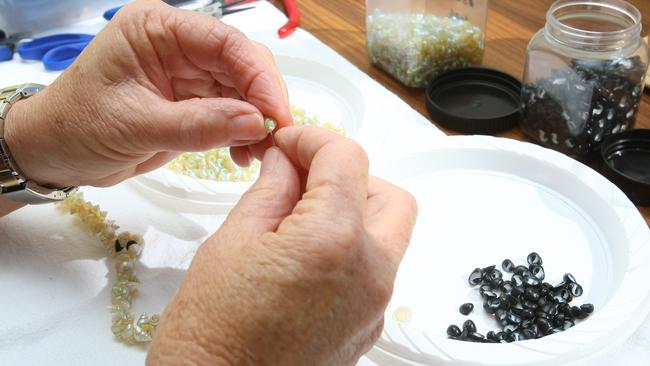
(415, 40)
(584, 75)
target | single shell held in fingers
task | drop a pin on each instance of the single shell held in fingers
(270, 124)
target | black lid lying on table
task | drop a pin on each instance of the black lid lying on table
(626, 158)
(474, 100)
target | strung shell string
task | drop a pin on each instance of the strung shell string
(124, 248)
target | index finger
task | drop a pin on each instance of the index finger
(337, 171)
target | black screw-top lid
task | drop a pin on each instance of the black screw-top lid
(626, 158)
(474, 100)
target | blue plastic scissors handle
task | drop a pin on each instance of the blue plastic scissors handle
(38, 47)
(110, 13)
(6, 53)
(59, 58)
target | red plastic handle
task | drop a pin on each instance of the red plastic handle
(294, 19)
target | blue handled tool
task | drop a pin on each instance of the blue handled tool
(56, 51)
(6, 47)
(59, 58)
(60, 50)
(6, 52)
(110, 13)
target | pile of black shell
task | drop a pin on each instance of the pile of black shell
(525, 306)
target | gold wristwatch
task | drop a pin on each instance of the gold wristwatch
(13, 185)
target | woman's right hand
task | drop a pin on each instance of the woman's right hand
(301, 271)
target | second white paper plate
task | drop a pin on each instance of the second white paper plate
(482, 200)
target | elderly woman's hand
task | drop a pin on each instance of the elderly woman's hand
(155, 82)
(303, 268)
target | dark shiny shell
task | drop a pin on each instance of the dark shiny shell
(576, 289)
(476, 277)
(469, 326)
(520, 270)
(562, 296)
(517, 280)
(534, 258)
(466, 308)
(508, 266)
(537, 271)
(568, 278)
(489, 294)
(491, 335)
(587, 308)
(453, 331)
(531, 281)
(476, 337)
(507, 286)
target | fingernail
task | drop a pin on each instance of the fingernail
(270, 160)
(247, 163)
(248, 127)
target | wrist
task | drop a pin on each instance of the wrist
(201, 326)
(28, 138)
(187, 336)
(9, 206)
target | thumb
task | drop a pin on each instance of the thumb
(272, 198)
(200, 124)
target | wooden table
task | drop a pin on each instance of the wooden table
(511, 23)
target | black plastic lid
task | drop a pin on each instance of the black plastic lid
(626, 157)
(474, 100)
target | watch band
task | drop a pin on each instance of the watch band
(14, 185)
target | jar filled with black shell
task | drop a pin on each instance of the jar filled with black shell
(415, 40)
(584, 75)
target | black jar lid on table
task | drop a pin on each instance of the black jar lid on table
(626, 162)
(474, 100)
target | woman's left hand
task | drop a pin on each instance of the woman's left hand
(155, 82)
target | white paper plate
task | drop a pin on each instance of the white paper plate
(314, 87)
(484, 199)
